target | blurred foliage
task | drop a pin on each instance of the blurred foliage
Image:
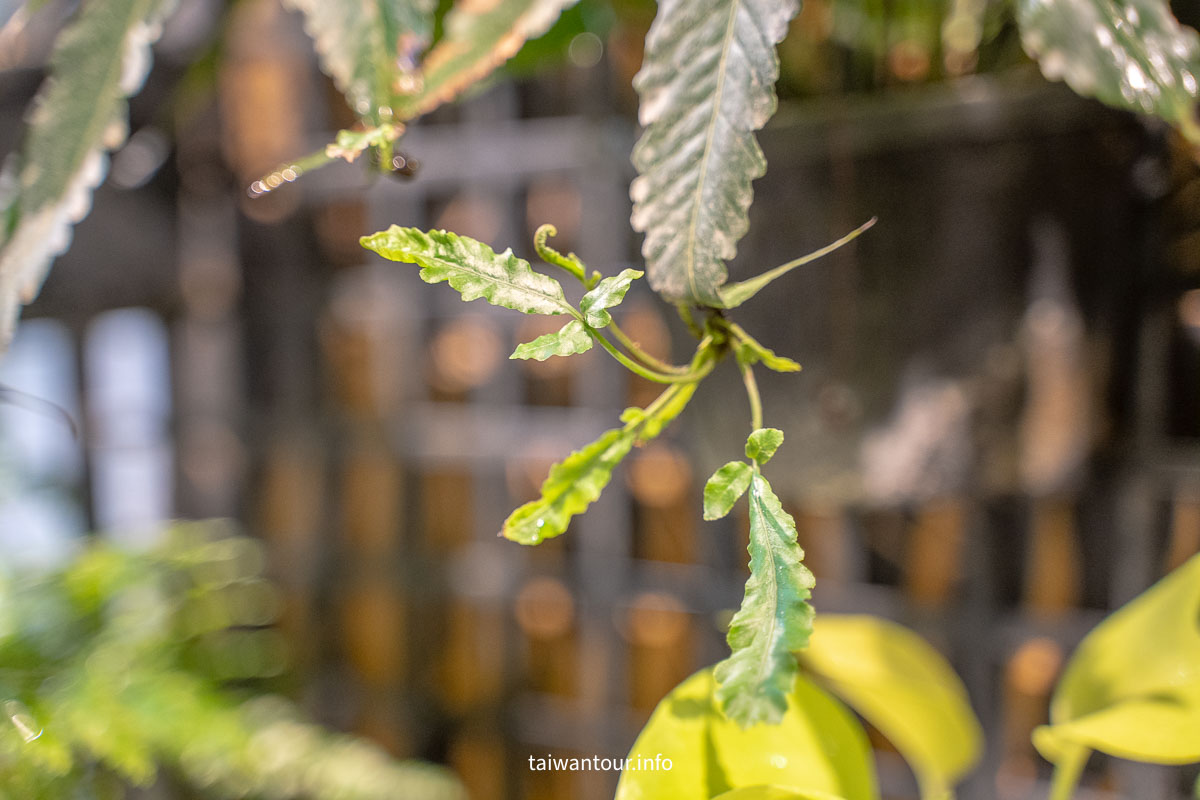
(119, 669)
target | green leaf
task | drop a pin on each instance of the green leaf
(349, 145)
(734, 294)
(707, 84)
(725, 487)
(763, 443)
(775, 793)
(366, 45)
(818, 746)
(78, 116)
(1132, 688)
(904, 688)
(607, 294)
(480, 36)
(1130, 54)
(571, 487)
(751, 352)
(571, 339)
(774, 620)
(472, 268)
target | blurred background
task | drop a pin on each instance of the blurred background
(993, 439)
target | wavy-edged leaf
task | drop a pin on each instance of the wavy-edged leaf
(818, 746)
(1130, 54)
(480, 36)
(734, 294)
(78, 116)
(903, 687)
(472, 268)
(707, 84)
(762, 444)
(725, 487)
(762, 792)
(607, 294)
(368, 47)
(774, 620)
(1138, 670)
(572, 338)
(572, 486)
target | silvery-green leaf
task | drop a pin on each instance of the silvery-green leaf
(368, 47)
(1131, 54)
(725, 487)
(571, 339)
(774, 620)
(472, 268)
(763, 443)
(480, 36)
(79, 115)
(707, 84)
(572, 486)
(607, 294)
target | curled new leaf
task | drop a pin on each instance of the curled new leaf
(472, 268)
(1131, 54)
(763, 443)
(818, 749)
(725, 487)
(79, 115)
(607, 294)
(572, 486)
(904, 688)
(369, 47)
(774, 620)
(707, 84)
(479, 37)
(571, 339)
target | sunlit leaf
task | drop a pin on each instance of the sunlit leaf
(78, 116)
(480, 36)
(472, 268)
(572, 338)
(369, 47)
(734, 294)
(707, 83)
(571, 487)
(818, 746)
(607, 294)
(763, 443)
(776, 793)
(725, 487)
(1132, 688)
(903, 687)
(774, 620)
(1131, 54)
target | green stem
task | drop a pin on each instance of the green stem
(685, 314)
(645, 372)
(1067, 772)
(641, 355)
(756, 415)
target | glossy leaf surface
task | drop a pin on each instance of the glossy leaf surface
(472, 268)
(707, 83)
(1131, 54)
(774, 620)
(903, 687)
(818, 746)
(79, 115)
(368, 47)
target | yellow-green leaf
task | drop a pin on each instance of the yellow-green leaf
(472, 268)
(1137, 670)
(776, 793)
(725, 487)
(903, 687)
(572, 338)
(607, 294)
(763, 443)
(817, 746)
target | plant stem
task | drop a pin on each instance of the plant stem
(637, 352)
(693, 374)
(1067, 772)
(756, 415)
